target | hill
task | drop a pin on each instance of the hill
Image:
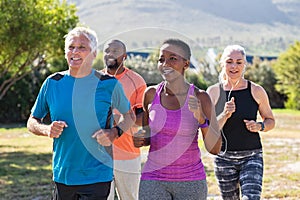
(265, 27)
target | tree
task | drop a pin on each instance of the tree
(287, 70)
(262, 73)
(31, 34)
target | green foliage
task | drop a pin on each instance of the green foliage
(197, 79)
(287, 70)
(31, 34)
(261, 72)
(98, 63)
(147, 68)
(32, 46)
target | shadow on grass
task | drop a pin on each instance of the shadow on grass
(25, 175)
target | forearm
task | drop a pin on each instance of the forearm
(127, 122)
(212, 138)
(222, 119)
(269, 124)
(36, 127)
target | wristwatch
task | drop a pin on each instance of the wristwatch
(262, 126)
(205, 124)
(120, 131)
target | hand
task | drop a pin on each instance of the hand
(252, 125)
(56, 128)
(139, 138)
(105, 137)
(196, 108)
(229, 108)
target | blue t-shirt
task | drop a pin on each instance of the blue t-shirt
(85, 104)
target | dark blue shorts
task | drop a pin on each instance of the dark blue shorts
(240, 171)
(96, 191)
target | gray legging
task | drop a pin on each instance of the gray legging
(165, 190)
(240, 170)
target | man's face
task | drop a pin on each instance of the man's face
(113, 54)
(78, 53)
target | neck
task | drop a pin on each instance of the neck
(178, 89)
(80, 73)
(115, 71)
(234, 82)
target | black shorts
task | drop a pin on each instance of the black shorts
(96, 191)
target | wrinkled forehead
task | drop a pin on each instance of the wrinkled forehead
(172, 49)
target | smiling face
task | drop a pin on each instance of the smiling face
(234, 65)
(171, 62)
(78, 54)
(114, 54)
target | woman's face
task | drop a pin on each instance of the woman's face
(78, 53)
(171, 62)
(234, 65)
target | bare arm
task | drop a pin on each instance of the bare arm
(264, 109)
(53, 130)
(229, 107)
(204, 108)
(142, 138)
(106, 137)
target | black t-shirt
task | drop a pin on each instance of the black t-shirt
(237, 135)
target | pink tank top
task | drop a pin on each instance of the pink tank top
(174, 154)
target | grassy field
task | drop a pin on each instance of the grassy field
(25, 162)
(281, 156)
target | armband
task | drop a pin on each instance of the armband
(205, 124)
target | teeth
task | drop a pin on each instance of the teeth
(75, 59)
(167, 71)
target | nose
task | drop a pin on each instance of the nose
(75, 49)
(234, 64)
(166, 62)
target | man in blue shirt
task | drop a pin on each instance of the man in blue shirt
(80, 102)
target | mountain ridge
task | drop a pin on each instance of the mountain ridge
(214, 23)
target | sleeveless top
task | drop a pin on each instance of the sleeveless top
(174, 154)
(238, 137)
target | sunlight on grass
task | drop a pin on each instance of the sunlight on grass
(26, 170)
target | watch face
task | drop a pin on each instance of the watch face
(262, 126)
(120, 131)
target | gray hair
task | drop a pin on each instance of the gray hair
(88, 33)
(228, 50)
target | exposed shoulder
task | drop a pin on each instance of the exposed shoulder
(201, 94)
(258, 92)
(151, 90)
(213, 88)
(150, 93)
(214, 92)
(256, 88)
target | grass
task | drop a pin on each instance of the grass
(25, 165)
(25, 162)
(281, 156)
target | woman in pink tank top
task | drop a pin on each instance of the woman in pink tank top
(174, 112)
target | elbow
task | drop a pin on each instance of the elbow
(216, 148)
(29, 125)
(215, 151)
